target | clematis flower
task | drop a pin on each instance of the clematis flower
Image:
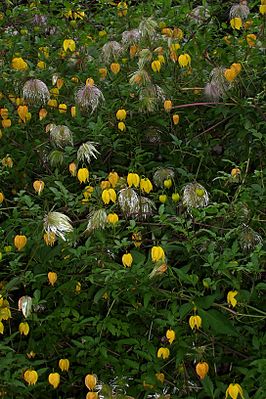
(163, 353)
(233, 391)
(35, 91)
(231, 298)
(86, 151)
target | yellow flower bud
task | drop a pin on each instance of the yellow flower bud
(168, 105)
(163, 198)
(52, 278)
(62, 108)
(121, 126)
(2, 197)
(175, 119)
(20, 241)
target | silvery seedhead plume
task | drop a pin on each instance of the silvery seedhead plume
(57, 223)
(111, 50)
(86, 151)
(89, 97)
(35, 91)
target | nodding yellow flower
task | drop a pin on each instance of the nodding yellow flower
(167, 105)
(49, 238)
(167, 32)
(54, 379)
(103, 73)
(1, 328)
(19, 64)
(202, 369)
(263, 8)
(122, 9)
(168, 183)
(231, 298)
(2, 197)
(127, 260)
(175, 197)
(22, 112)
(157, 253)
(30, 376)
(72, 167)
(113, 178)
(90, 381)
(137, 239)
(237, 67)
(175, 118)
(62, 108)
(236, 23)
(24, 328)
(52, 103)
(112, 218)
(235, 172)
(170, 335)
(6, 123)
(64, 364)
(73, 111)
(163, 198)
(184, 60)
(163, 352)
(69, 44)
(115, 68)
(121, 126)
(4, 113)
(121, 114)
(233, 391)
(160, 377)
(92, 395)
(41, 64)
(251, 40)
(133, 179)
(83, 175)
(38, 186)
(105, 184)
(108, 195)
(195, 322)
(156, 66)
(78, 288)
(145, 185)
(42, 113)
(230, 74)
(52, 278)
(20, 241)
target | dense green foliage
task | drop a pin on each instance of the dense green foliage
(192, 233)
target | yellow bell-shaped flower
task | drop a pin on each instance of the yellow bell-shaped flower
(54, 379)
(69, 44)
(30, 376)
(24, 328)
(202, 369)
(64, 364)
(90, 381)
(127, 260)
(157, 253)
